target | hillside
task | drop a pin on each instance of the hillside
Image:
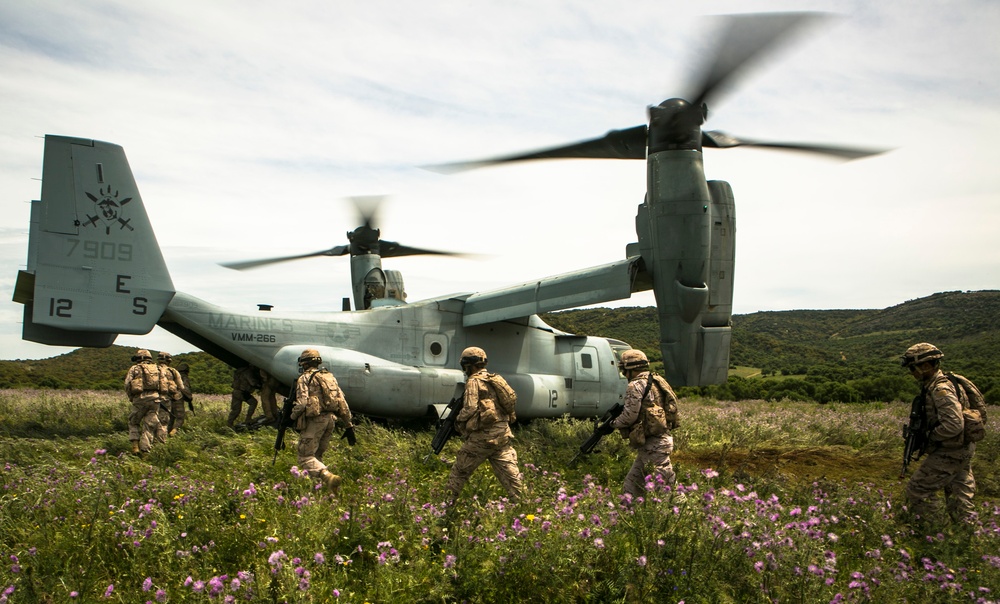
(827, 349)
(105, 368)
(838, 354)
(961, 323)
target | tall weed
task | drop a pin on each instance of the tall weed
(776, 502)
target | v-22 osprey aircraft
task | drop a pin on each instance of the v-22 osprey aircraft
(95, 270)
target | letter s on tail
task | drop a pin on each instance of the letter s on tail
(94, 268)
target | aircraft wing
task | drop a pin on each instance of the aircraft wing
(613, 281)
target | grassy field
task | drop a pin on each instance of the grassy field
(776, 502)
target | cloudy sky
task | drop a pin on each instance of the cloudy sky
(247, 126)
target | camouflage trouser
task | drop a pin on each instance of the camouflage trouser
(143, 424)
(950, 470)
(177, 413)
(502, 458)
(269, 401)
(236, 406)
(162, 414)
(656, 453)
(313, 442)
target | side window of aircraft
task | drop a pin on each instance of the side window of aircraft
(586, 361)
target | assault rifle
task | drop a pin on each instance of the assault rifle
(167, 409)
(603, 427)
(284, 421)
(446, 424)
(914, 433)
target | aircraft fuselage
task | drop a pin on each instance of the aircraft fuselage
(402, 360)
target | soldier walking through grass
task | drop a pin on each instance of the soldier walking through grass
(948, 465)
(319, 407)
(187, 398)
(171, 393)
(142, 386)
(246, 379)
(484, 425)
(177, 411)
(650, 410)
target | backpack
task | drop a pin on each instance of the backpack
(973, 408)
(655, 419)
(669, 401)
(506, 396)
(150, 377)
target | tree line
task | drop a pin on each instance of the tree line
(807, 355)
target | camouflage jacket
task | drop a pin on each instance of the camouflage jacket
(944, 411)
(173, 382)
(246, 379)
(633, 402)
(480, 409)
(317, 392)
(142, 382)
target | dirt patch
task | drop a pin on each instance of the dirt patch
(806, 464)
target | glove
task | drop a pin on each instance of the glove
(350, 436)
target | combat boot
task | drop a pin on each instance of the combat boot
(331, 481)
(173, 432)
(135, 447)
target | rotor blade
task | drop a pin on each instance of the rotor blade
(743, 39)
(340, 250)
(391, 249)
(721, 140)
(629, 143)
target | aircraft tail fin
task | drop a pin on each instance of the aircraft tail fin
(94, 267)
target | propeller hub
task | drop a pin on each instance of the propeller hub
(675, 124)
(364, 240)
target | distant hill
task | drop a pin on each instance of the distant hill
(963, 324)
(838, 345)
(830, 350)
(105, 368)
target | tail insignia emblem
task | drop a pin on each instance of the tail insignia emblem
(108, 210)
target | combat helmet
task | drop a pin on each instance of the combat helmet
(473, 355)
(919, 353)
(310, 355)
(142, 355)
(633, 359)
(164, 357)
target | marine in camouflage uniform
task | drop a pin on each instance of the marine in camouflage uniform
(319, 407)
(246, 379)
(655, 451)
(485, 431)
(142, 386)
(948, 465)
(171, 386)
(177, 411)
(268, 397)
